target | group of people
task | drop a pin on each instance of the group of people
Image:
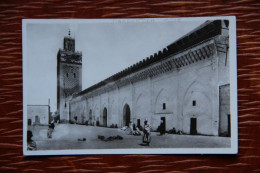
(146, 138)
(133, 129)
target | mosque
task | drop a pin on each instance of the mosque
(186, 86)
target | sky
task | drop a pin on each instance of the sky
(107, 47)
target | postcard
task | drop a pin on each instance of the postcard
(130, 86)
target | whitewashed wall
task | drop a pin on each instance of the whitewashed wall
(178, 89)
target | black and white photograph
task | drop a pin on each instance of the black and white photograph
(130, 86)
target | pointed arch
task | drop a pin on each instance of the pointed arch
(90, 115)
(157, 96)
(126, 115)
(105, 117)
(124, 101)
(197, 109)
(162, 101)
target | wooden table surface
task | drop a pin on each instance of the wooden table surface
(248, 61)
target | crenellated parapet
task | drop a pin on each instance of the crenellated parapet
(70, 57)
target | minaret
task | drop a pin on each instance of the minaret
(69, 76)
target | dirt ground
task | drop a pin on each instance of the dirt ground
(70, 136)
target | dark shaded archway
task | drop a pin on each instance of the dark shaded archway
(105, 117)
(126, 115)
(193, 126)
(90, 117)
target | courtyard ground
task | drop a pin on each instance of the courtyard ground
(69, 136)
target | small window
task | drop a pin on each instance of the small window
(65, 105)
(74, 75)
(67, 74)
(164, 106)
(194, 103)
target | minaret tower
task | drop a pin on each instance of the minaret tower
(69, 76)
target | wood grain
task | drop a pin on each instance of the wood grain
(248, 62)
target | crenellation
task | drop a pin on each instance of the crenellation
(155, 55)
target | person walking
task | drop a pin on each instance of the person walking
(50, 129)
(147, 132)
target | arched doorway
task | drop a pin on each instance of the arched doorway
(105, 117)
(90, 117)
(126, 115)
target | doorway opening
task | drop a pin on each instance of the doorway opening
(163, 125)
(126, 115)
(90, 117)
(105, 117)
(193, 126)
(229, 131)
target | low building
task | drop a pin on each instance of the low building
(38, 114)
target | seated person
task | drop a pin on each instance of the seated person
(31, 145)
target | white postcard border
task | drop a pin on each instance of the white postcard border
(233, 95)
